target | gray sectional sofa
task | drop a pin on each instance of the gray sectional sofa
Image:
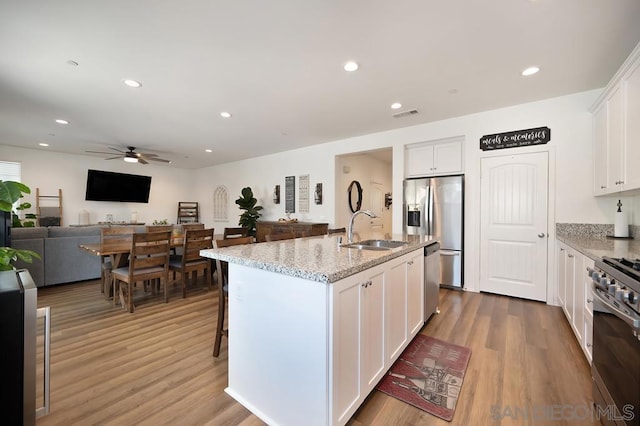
(62, 261)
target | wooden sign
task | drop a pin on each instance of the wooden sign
(527, 137)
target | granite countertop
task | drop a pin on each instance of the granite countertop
(317, 258)
(594, 247)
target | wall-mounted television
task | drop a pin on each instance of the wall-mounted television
(110, 186)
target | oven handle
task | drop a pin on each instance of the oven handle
(631, 321)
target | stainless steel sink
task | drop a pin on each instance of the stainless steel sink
(376, 244)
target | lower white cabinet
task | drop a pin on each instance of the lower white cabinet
(307, 352)
(375, 315)
(574, 294)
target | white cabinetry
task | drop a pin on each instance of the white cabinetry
(574, 294)
(374, 319)
(358, 339)
(616, 131)
(434, 158)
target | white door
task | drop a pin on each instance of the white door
(513, 246)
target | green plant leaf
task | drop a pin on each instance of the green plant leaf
(10, 192)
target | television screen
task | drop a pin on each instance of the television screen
(110, 186)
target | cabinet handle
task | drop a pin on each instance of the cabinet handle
(561, 249)
(366, 284)
(603, 187)
(46, 313)
(588, 345)
(621, 182)
(570, 255)
(589, 300)
(410, 262)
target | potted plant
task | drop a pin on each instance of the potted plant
(10, 192)
(247, 202)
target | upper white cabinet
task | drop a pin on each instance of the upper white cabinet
(434, 158)
(616, 131)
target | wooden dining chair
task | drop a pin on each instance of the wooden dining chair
(113, 235)
(158, 228)
(223, 288)
(148, 260)
(336, 231)
(235, 233)
(191, 226)
(280, 236)
(190, 260)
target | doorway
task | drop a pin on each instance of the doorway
(373, 171)
(514, 218)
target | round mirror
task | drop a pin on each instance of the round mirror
(355, 196)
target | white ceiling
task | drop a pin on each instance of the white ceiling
(277, 67)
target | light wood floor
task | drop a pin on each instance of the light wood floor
(155, 366)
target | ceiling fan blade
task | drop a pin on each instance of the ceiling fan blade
(162, 160)
(142, 160)
(140, 154)
(114, 158)
(118, 150)
(100, 152)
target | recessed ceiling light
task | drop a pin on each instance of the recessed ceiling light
(396, 105)
(225, 114)
(530, 71)
(43, 144)
(61, 121)
(208, 150)
(131, 83)
(350, 66)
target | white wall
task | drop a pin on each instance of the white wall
(571, 172)
(50, 171)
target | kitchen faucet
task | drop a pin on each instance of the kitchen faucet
(353, 216)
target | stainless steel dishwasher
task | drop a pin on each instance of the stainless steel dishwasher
(431, 279)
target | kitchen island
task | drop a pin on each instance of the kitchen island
(313, 326)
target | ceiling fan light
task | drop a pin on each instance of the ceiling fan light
(130, 159)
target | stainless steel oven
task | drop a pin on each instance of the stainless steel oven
(616, 341)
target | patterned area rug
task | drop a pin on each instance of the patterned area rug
(428, 375)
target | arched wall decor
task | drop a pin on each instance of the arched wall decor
(221, 203)
(351, 195)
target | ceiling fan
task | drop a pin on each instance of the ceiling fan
(131, 156)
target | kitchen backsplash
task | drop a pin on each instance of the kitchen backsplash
(592, 230)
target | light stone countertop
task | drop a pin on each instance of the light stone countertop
(317, 258)
(595, 248)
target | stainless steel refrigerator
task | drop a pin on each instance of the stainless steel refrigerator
(435, 206)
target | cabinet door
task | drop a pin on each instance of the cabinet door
(419, 160)
(447, 157)
(415, 293)
(396, 309)
(347, 387)
(615, 140)
(600, 163)
(587, 341)
(578, 296)
(632, 129)
(569, 284)
(588, 289)
(372, 346)
(562, 279)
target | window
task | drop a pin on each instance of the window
(9, 171)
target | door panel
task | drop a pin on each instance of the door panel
(513, 255)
